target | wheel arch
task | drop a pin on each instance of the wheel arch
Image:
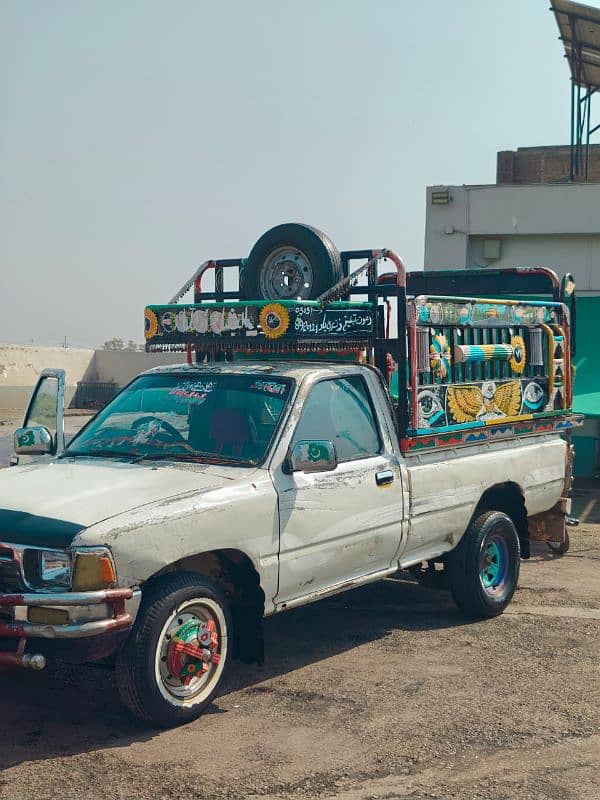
(509, 498)
(235, 573)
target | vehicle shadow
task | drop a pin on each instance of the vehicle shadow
(67, 710)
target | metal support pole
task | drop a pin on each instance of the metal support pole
(572, 154)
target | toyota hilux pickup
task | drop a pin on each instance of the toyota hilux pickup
(311, 442)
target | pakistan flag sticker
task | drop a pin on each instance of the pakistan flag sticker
(26, 439)
(317, 452)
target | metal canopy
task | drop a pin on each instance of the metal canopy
(579, 27)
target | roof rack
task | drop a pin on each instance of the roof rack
(455, 332)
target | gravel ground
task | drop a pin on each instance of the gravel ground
(384, 692)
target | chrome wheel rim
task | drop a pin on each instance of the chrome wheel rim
(287, 274)
(191, 652)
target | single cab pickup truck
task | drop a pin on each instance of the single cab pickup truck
(288, 459)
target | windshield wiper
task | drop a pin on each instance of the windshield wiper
(96, 454)
(197, 457)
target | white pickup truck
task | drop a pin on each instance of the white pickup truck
(207, 496)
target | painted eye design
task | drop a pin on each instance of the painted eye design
(430, 408)
(533, 396)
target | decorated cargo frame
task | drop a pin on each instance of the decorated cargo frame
(477, 356)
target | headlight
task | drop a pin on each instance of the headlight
(93, 568)
(47, 569)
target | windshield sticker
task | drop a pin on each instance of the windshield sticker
(194, 391)
(269, 387)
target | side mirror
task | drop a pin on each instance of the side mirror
(317, 455)
(33, 441)
(567, 285)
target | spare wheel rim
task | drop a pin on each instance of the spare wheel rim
(287, 274)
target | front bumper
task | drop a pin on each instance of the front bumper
(116, 610)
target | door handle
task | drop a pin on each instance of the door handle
(384, 478)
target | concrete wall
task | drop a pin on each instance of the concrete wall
(550, 225)
(120, 366)
(20, 366)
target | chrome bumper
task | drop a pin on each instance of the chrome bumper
(119, 617)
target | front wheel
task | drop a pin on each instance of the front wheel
(172, 664)
(484, 568)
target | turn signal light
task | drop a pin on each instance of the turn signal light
(93, 570)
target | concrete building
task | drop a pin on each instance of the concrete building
(538, 220)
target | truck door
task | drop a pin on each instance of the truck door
(347, 522)
(45, 412)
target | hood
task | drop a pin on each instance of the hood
(47, 505)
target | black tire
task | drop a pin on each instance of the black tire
(308, 256)
(472, 565)
(139, 668)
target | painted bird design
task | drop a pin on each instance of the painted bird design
(490, 401)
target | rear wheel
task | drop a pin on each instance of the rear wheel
(291, 262)
(484, 568)
(172, 664)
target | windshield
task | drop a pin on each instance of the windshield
(205, 417)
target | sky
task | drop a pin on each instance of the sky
(138, 139)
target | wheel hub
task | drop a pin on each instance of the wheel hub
(493, 565)
(191, 650)
(287, 274)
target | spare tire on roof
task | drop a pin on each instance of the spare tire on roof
(291, 261)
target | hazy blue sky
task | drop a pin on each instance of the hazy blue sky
(139, 138)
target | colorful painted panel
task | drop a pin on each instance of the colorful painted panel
(515, 353)
(176, 324)
(482, 403)
(489, 433)
(482, 313)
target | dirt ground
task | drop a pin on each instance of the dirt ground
(384, 692)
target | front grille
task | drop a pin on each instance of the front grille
(10, 573)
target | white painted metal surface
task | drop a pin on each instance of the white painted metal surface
(555, 225)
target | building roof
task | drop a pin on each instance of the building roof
(579, 27)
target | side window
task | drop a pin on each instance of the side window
(340, 411)
(43, 410)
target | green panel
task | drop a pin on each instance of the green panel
(253, 324)
(587, 361)
(585, 456)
